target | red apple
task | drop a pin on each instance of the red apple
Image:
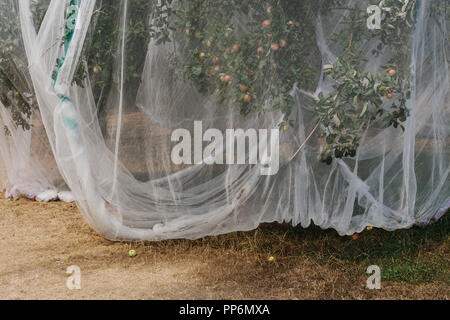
(226, 78)
(275, 46)
(266, 23)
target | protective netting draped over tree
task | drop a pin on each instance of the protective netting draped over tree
(28, 164)
(91, 93)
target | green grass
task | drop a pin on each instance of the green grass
(415, 256)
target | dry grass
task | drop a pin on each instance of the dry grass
(39, 241)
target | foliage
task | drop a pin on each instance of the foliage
(271, 55)
(359, 97)
(249, 54)
(16, 92)
(248, 65)
(104, 47)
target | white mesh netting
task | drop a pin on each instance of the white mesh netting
(106, 89)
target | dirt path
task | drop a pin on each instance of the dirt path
(39, 241)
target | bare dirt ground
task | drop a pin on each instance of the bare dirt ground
(39, 241)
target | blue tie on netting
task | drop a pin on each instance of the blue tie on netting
(69, 31)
